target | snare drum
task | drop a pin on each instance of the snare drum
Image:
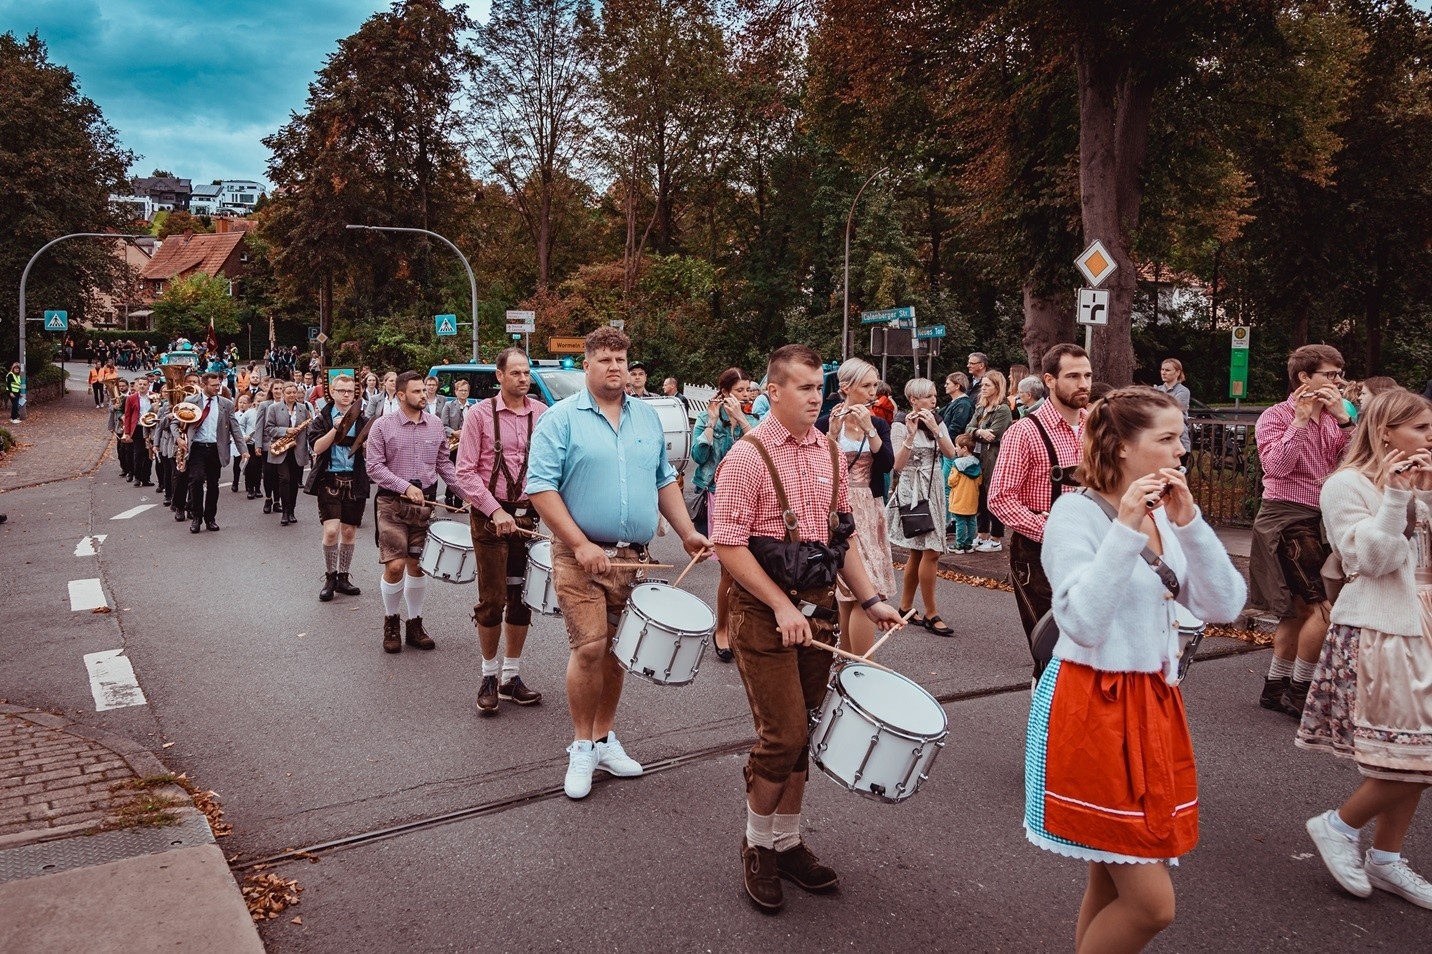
(448, 553)
(677, 428)
(539, 591)
(877, 733)
(662, 634)
(1190, 634)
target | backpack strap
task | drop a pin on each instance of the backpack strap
(1167, 576)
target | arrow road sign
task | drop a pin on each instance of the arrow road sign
(57, 321)
(521, 322)
(1093, 307)
(446, 324)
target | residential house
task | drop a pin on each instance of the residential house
(136, 207)
(239, 195)
(167, 193)
(206, 199)
(220, 254)
(123, 305)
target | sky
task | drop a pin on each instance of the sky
(192, 86)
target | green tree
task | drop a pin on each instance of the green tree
(178, 222)
(59, 162)
(189, 305)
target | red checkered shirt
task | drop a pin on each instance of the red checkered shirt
(1296, 460)
(1019, 489)
(746, 503)
(399, 450)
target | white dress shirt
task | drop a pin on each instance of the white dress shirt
(207, 432)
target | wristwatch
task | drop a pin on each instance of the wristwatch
(877, 598)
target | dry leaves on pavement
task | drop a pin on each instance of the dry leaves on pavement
(269, 895)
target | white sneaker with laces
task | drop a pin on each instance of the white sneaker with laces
(1343, 860)
(612, 758)
(989, 546)
(581, 763)
(1398, 878)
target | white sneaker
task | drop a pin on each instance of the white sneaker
(1343, 860)
(1399, 879)
(581, 763)
(612, 758)
(989, 546)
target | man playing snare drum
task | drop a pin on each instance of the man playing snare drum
(779, 606)
(598, 475)
(491, 472)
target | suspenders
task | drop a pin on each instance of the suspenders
(1059, 475)
(499, 465)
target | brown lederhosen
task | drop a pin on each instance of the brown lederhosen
(783, 683)
(502, 561)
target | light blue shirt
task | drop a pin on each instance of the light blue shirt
(608, 479)
(340, 459)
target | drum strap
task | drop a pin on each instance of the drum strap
(788, 515)
(499, 464)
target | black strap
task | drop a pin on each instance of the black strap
(1167, 576)
(1059, 475)
(788, 515)
(499, 463)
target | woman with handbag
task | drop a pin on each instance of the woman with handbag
(864, 440)
(915, 513)
(1110, 777)
(1370, 699)
(719, 425)
(987, 427)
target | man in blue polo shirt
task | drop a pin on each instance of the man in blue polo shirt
(598, 475)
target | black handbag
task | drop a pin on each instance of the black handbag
(797, 565)
(915, 518)
(698, 510)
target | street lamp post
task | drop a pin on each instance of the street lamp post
(845, 309)
(471, 279)
(25, 276)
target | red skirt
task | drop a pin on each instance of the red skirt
(1119, 772)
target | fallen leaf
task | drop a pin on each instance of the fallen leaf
(101, 609)
(297, 920)
(301, 635)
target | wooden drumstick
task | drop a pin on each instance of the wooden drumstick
(888, 633)
(836, 650)
(532, 533)
(639, 566)
(701, 555)
(439, 503)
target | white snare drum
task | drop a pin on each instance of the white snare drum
(877, 733)
(448, 553)
(662, 633)
(677, 428)
(1190, 634)
(539, 591)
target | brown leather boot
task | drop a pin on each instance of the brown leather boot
(392, 634)
(416, 637)
(763, 883)
(800, 866)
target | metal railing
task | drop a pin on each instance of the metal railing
(1224, 473)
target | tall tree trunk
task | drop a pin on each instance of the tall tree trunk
(1047, 321)
(544, 236)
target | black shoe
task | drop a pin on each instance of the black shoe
(252, 495)
(487, 696)
(211, 525)
(725, 655)
(285, 521)
(329, 581)
(1294, 698)
(195, 527)
(1273, 689)
(147, 483)
(268, 506)
(168, 503)
(292, 517)
(345, 586)
(234, 487)
(180, 516)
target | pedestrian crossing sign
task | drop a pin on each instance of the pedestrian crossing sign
(446, 324)
(57, 321)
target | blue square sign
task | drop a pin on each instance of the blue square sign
(445, 324)
(57, 321)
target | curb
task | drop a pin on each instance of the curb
(140, 760)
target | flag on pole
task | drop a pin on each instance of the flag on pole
(213, 340)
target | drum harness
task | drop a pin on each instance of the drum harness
(790, 561)
(500, 468)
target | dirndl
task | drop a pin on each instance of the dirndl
(1109, 770)
(1371, 700)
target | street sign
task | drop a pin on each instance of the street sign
(1096, 263)
(312, 332)
(446, 325)
(1093, 307)
(321, 338)
(521, 322)
(933, 331)
(566, 345)
(889, 316)
(618, 323)
(57, 321)
(1238, 363)
(890, 343)
(1240, 337)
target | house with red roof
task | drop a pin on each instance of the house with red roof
(179, 256)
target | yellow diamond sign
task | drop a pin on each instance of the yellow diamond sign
(1096, 263)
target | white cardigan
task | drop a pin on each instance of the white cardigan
(1113, 611)
(1369, 527)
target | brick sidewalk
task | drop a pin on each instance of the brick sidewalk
(56, 776)
(58, 440)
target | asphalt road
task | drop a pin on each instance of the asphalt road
(310, 734)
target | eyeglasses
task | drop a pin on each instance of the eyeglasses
(1333, 375)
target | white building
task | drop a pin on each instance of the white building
(206, 199)
(136, 206)
(239, 195)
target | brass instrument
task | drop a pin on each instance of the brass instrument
(115, 398)
(175, 390)
(149, 418)
(186, 415)
(283, 445)
(454, 438)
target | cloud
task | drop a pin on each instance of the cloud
(193, 85)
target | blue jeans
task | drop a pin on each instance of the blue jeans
(964, 530)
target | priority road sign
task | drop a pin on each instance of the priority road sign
(57, 321)
(446, 325)
(1096, 263)
(321, 338)
(1093, 307)
(566, 345)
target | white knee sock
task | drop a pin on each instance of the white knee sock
(510, 666)
(1303, 671)
(1280, 668)
(786, 831)
(490, 667)
(413, 589)
(760, 829)
(392, 597)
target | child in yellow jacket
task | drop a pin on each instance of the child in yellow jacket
(964, 482)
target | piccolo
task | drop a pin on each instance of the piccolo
(1154, 501)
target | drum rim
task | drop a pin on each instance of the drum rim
(909, 734)
(632, 605)
(434, 533)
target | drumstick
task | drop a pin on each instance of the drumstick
(888, 633)
(851, 656)
(701, 555)
(639, 566)
(439, 503)
(532, 533)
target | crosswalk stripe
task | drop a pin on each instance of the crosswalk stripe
(112, 681)
(86, 595)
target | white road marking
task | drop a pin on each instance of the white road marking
(89, 546)
(112, 681)
(86, 595)
(134, 511)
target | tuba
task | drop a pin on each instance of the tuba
(116, 400)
